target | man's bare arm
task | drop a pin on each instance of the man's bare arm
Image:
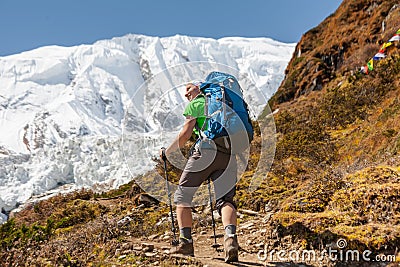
(183, 136)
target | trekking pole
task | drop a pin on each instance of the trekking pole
(164, 157)
(215, 245)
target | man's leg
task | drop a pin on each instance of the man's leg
(229, 220)
(228, 213)
(192, 177)
(184, 218)
(225, 190)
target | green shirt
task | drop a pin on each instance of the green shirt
(195, 109)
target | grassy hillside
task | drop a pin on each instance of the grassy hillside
(339, 132)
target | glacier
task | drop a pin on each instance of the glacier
(66, 111)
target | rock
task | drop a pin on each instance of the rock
(240, 215)
(146, 200)
(249, 212)
(217, 217)
(150, 254)
(248, 225)
(3, 216)
(137, 248)
(267, 218)
(127, 233)
(162, 221)
(146, 247)
(152, 237)
(125, 221)
(270, 206)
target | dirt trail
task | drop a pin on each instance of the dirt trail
(250, 236)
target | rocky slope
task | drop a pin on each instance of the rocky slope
(336, 164)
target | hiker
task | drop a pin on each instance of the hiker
(205, 162)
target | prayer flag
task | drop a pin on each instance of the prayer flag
(386, 45)
(379, 56)
(395, 38)
(370, 64)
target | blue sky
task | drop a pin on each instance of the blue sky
(25, 25)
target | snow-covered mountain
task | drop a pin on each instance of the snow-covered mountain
(66, 111)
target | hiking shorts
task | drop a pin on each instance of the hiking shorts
(220, 167)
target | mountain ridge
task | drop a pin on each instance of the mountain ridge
(60, 105)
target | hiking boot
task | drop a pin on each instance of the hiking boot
(231, 248)
(185, 247)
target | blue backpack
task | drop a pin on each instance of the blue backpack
(228, 122)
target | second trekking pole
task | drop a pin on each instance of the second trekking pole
(164, 158)
(215, 245)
